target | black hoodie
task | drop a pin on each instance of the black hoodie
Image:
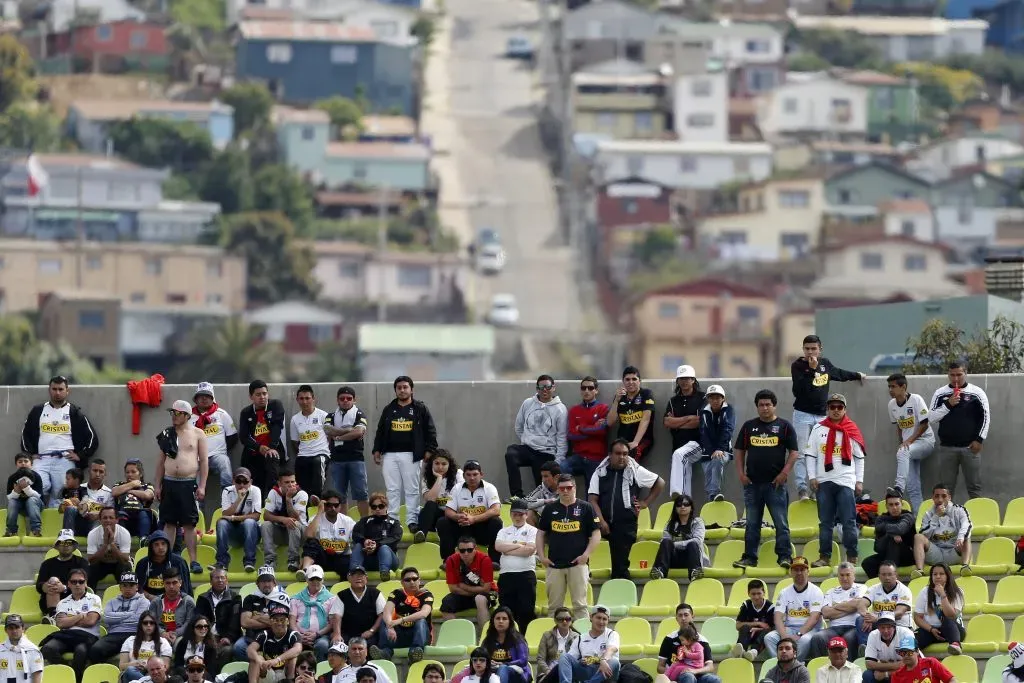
(424, 433)
(151, 572)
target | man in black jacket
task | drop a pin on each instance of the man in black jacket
(812, 374)
(52, 580)
(58, 436)
(261, 430)
(894, 536)
(24, 496)
(223, 608)
(405, 434)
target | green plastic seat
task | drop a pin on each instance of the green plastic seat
(975, 591)
(209, 535)
(601, 561)
(52, 523)
(111, 592)
(537, 628)
(1017, 630)
(767, 564)
(455, 638)
(1013, 520)
(634, 636)
(665, 627)
(706, 596)
(722, 513)
(644, 530)
(803, 520)
(812, 551)
(101, 673)
(737, 596)
(342, 585)
(995, 557)
(662, 518)
(736, 670)
(247, 589)
(18, 539)
(721, 634)
(389, 669)
(963, 667)
(236, 571)
(426, 557)
(726, 553)
(766, 666)
(439, 588)
(542, 597)
(415, 674)
(814, 665)
(36, 633)
(648, 665)
(984, 514)
(994, 669)
(641, 559)
(25, 601)
(828, 584)
(235, 667)
(782, 583)
(293, 589)
(985, 634)
(582, 624)
(59, 673)
(658, 599)
(618, 595)
(322, 668)
(738, 532)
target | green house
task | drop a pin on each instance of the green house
(892, 106)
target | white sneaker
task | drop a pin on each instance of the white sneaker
(736, 651)
(750, 655)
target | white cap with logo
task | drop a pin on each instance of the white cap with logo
(715, 389)
(686, 371)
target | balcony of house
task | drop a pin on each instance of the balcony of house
(642, 92)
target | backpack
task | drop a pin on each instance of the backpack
(631, 673)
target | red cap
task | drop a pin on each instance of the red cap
(837, 643)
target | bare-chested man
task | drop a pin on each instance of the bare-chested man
(176, 485)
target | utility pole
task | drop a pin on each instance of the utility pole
(79, 228)
(381, 257)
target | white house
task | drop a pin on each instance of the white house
(908, 39)
(701, 107)
(823, 106)
(937, 160)
(391, 23)
(682, 164)
(908, 218)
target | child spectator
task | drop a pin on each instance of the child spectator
(24, 497)
(755, 620)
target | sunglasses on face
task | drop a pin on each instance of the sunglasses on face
(410, 579)
(545, 387)
(202, 627)
(149, 623)
(479, 659)
(196, 669)
(467, 550)
(76, 582)
(565, 619)
(304, 667)
(331, 505)
(379, 506)
(587, 387)
(241, 480)
(684, 504)
(566, 487)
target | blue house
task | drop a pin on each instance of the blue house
(305, 61)
(1005, 20)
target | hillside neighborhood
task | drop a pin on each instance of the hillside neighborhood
(466, 190)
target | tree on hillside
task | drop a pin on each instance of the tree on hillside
(182, 146)
(941, 87)
(28, 125)
(334, 362)
(279, 188)
(227, 181)
(207, 15)
(252, 103)
(24, 359)
(16, 72)
(343, 112)
(658, 246)
(278, 268)
(999, 349)
(840, 48)
(231, 351)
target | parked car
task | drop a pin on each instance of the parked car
(490, 259)
(519, 47)
(504, 311)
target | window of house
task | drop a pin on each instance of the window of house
(318, 334)
(104, 33)
(915, 262)
(279, 53)
(138, 297)
(844, 196)
(871, 260)
(790, 105)
(907, 228)
(91, 320)
(668, 310)
(979, 153)
(842, 110)
(700, 88)
(49, 266)
(606, 120)
(758, 47)
(670, 363)
(748, 314)
(348, 270)
(384, 29)
(213, 299)
(344, 54)
(214, 269)
(414, 276)
(733, 237)
(643, 121)
(177, 298)
(965, 209)
(701, 120)
(761, 80)
(885, 98)
(359, 170)
(93, 262)
(308, 133)
(796, 243)
(138, 40)
(635, 165)
(154, 266)
(794, 199)
(715, 364)
(688, 164)
(630, 206)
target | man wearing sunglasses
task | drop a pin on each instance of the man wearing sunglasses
(58, 436)
(470, 577)
(328, 538)
(121, 617)
(571, 529)
(78, 618)
(594, 656)
(541, 426)
(588, 431)
(406, 621)
(20, 659)
(52, 580)
(195, 670)
(241, 505)
(272, 655)
(357, 661)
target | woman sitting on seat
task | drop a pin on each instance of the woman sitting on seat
(682, 543)
(509, 655)
(553, 644)
(440, 475)
(136, 651)
(197, 642)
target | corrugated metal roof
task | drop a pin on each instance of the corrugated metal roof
(398, 338)
(305, 31)
(124, 109)
(889, 26)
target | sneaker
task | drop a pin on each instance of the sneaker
(37, 533)
(196, 567)
(377, 653)
(803, 494)
(786, 562)
(954, 649)
(513, 498)
(744, 562)
(415, 654)
(8, 534)
(414, 528)
(385, 575)
(657, 574)
(419, 536)
(718, 498)
(293, 566)
(750, 655)
(214, 567)
(916, 573)
(820, 562)
(736, 651)
(144, 541)
(300, 575)
(697, 573)
(966, 570)
(49, 620)
(250, 567)
(853, 559)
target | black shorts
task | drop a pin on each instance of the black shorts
(454, 603)
(178, 504)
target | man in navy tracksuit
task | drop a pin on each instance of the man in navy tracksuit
(962, 413)
(712, 450)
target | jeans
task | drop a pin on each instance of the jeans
(776, 498)
(238, 650)
(572, 670)
(221, 464)
(947, 469)
(951, 630)
(577, 465)
(681, 476)
(402, 482)
(138, 522)
(908, 469)
(836, 500)
(349, 474)
(132, 674)
(688, 677)
(384, 558)
(30, 507)
(417, 635)
(245, 533)
(803, 643)
(506, 674)
(320, 646)
(803, 423)
(74, 521)
(51, 469)
(819, 644)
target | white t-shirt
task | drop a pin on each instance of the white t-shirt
(841, 474)
(473, 502)
(98, 498)
(275, 504)
(348, 674)
(378, 606)
(219, 426)
(253, 501)
(909, 415)
(590, 650)
(446, 493)
(55, 429)
(308, 430)
(880, 651)
(798, 606)
(473, 678)
(524, 535)
(886, 601)
(90, 602)
(146, 649)
(18, 664)
(840, 594)
(122, 539)
(930, 615)
(336, 538)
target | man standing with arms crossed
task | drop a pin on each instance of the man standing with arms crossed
(181, 472)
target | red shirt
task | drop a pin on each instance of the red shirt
(585, 438)
(479, 572)
(261, 434)
(928, 670)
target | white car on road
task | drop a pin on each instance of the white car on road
(490, 260)
(504, 311)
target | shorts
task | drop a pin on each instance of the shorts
(178, 504)
(936, 554)
(329, 562)
(453, 603)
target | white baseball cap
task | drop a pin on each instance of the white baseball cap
(686, 371)
(314, 571)
(180, 406)
(715, 389)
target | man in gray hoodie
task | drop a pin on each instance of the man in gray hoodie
(541, 427)
(788, 669)
(121, 617)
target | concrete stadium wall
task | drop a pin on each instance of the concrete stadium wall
(474, 420)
